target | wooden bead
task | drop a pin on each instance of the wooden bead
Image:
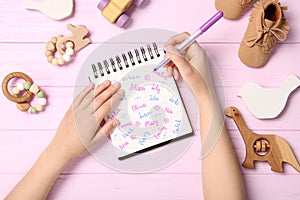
(70, 45)
(39, 107)
(50, 46)
(263, 147)
(34, 88)
(54, 40)
(257, 146)
(54, 61)
(15, 90)
(60, 36)
(60, 61)
(50, 58)
(48, 53)
(23, 106)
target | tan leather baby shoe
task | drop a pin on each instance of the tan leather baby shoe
(232, 9)
(267, 25)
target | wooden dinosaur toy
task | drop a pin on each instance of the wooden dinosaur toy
(261, 147)
(77, 37)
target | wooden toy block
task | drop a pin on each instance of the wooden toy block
(114, 10)
(267, 103)
(122, 4)
(55, 9)
(261, 147)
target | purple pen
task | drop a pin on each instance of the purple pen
(193, 37)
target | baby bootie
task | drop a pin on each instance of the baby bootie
(232, 9)
(267, 26)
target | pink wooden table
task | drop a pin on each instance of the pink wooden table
(22, 137)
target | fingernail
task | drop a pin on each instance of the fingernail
(117, 85)
(176, 76)
(169, 69)
(106, 83)
(116, 122)
(121, 92)
(171, 49)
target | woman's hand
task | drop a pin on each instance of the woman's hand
(191, 64)
(80, 127)
(78, 131)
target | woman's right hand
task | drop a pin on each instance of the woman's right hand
(191, 64)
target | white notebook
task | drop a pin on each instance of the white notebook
(151, 113)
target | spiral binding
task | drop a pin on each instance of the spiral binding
(125, 60)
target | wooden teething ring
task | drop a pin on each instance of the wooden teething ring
(8, 95)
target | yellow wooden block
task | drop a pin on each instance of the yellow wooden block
(111, 12)
(122, 4)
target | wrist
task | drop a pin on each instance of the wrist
(56, 157)
(203, 95)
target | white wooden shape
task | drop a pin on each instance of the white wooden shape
(268, 103)
(55, 9)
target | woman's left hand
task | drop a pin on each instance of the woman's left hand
(80, 128)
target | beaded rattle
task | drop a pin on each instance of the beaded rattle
(23, 100)
(51, 49)
(263, 147)
(67, 46)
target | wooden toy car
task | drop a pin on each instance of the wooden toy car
(113, 10)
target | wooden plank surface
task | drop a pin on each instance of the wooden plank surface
(23, 137)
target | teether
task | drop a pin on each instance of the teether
(25, 97)
(23, 101)
(67, 46)
(56, 9)
(261, 147)
(266, 103)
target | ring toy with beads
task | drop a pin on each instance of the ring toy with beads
(30, 89)
(14, 97)
(68, 45)
(51, 49)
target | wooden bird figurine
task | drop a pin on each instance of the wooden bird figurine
(267, 103)
(271, 148)
(55, 9)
